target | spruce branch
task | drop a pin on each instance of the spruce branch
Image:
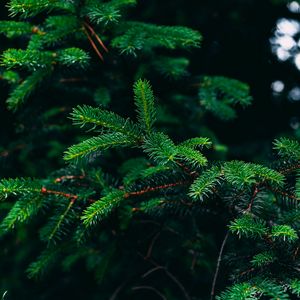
(20, 94)
(23, 210)
(198, 142)
(136, 36)
(144, 101)
(19, 186)
(160, 148)
(205, 184)
(87, 115)
(155, 188)
(15, 29)
(108, 13)
(103, 142)
(219, 95)
(57, 227)
(102, 208)
(30, 8)
(288, 148)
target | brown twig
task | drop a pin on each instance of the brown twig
(170, 275)
(155, 188)
(290, 169)
(193, 174)
(69, 80)
(247, 272)
(255, 192)
(95, 35)
(6, 153)
(212, 294)
(93, 44)
(68, 177)
(58, 193)
(274, 190)
(150, 288)
(45, 191)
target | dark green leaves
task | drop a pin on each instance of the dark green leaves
(240, 291)
(30, 8)
(294, 286)
(36, 59)
(249, 227)
(160, 148)
(262, 259)
(87, 115)
(107, 12)
(252, 227)
(219, 95)
(102, 208)
(255, 289)
(23, 210)
(197, 142)
(163, 150)
(19, 186)
(241, 174)
(19, 95)
(191, 156)
(60, 223)
(287, 148)
(47, 258)
(137, 36)
(284, 232)
(103, 142)
(172, 67)
(144, 101)
(73, 57)
(205, 184)
(14, 29)
(29, 59)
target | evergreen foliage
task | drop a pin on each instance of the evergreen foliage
(135, 202)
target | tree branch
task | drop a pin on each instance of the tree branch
(212, 294)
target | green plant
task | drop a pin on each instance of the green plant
(138, 198)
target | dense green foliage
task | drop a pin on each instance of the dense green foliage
(120, 189)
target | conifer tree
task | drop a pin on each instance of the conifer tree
(134, 204)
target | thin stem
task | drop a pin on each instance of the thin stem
(255, 192)
(154, 239)
(186, 295)
(150, 288)
(155, 188)
(117, 291)
(290, 169)
(68, 177)
(187, 170)
(51, 192)
(93, 44)
(74, 197)
(66, 80)
(169, 274)
(95, 35)
(212, 294)
(152, 270)
(274, 190)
